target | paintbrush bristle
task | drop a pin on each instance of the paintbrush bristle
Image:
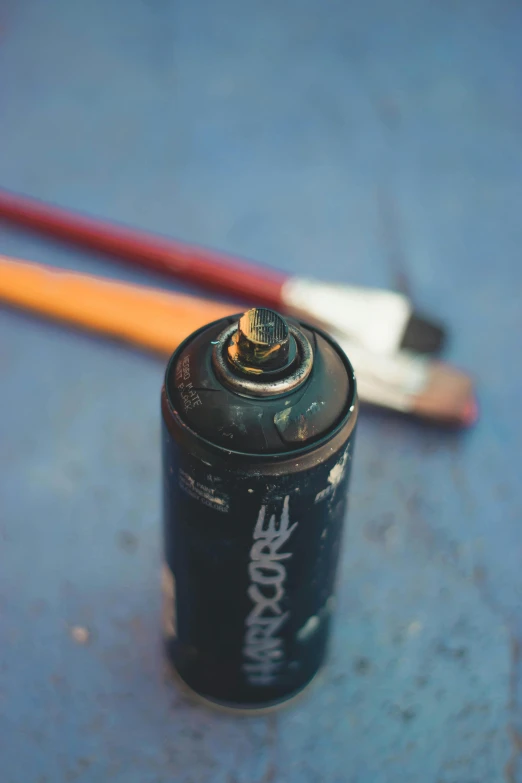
(448, 396)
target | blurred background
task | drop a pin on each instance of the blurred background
(375, 144)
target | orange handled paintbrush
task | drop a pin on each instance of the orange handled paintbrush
(159, 320)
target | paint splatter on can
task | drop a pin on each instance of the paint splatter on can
(259, 417)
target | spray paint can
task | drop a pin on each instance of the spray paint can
(259, 416)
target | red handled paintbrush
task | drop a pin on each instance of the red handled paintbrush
(381, 321)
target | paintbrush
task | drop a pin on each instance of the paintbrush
(381, 321)
(159, 320)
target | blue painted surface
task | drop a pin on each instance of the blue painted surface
(376, 143)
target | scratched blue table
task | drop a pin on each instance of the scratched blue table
(376, 143)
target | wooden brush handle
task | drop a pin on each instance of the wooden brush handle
(205, 268)
(147, 317)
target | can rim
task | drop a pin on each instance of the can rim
(351, 406)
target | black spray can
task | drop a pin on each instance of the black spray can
(259, 416)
